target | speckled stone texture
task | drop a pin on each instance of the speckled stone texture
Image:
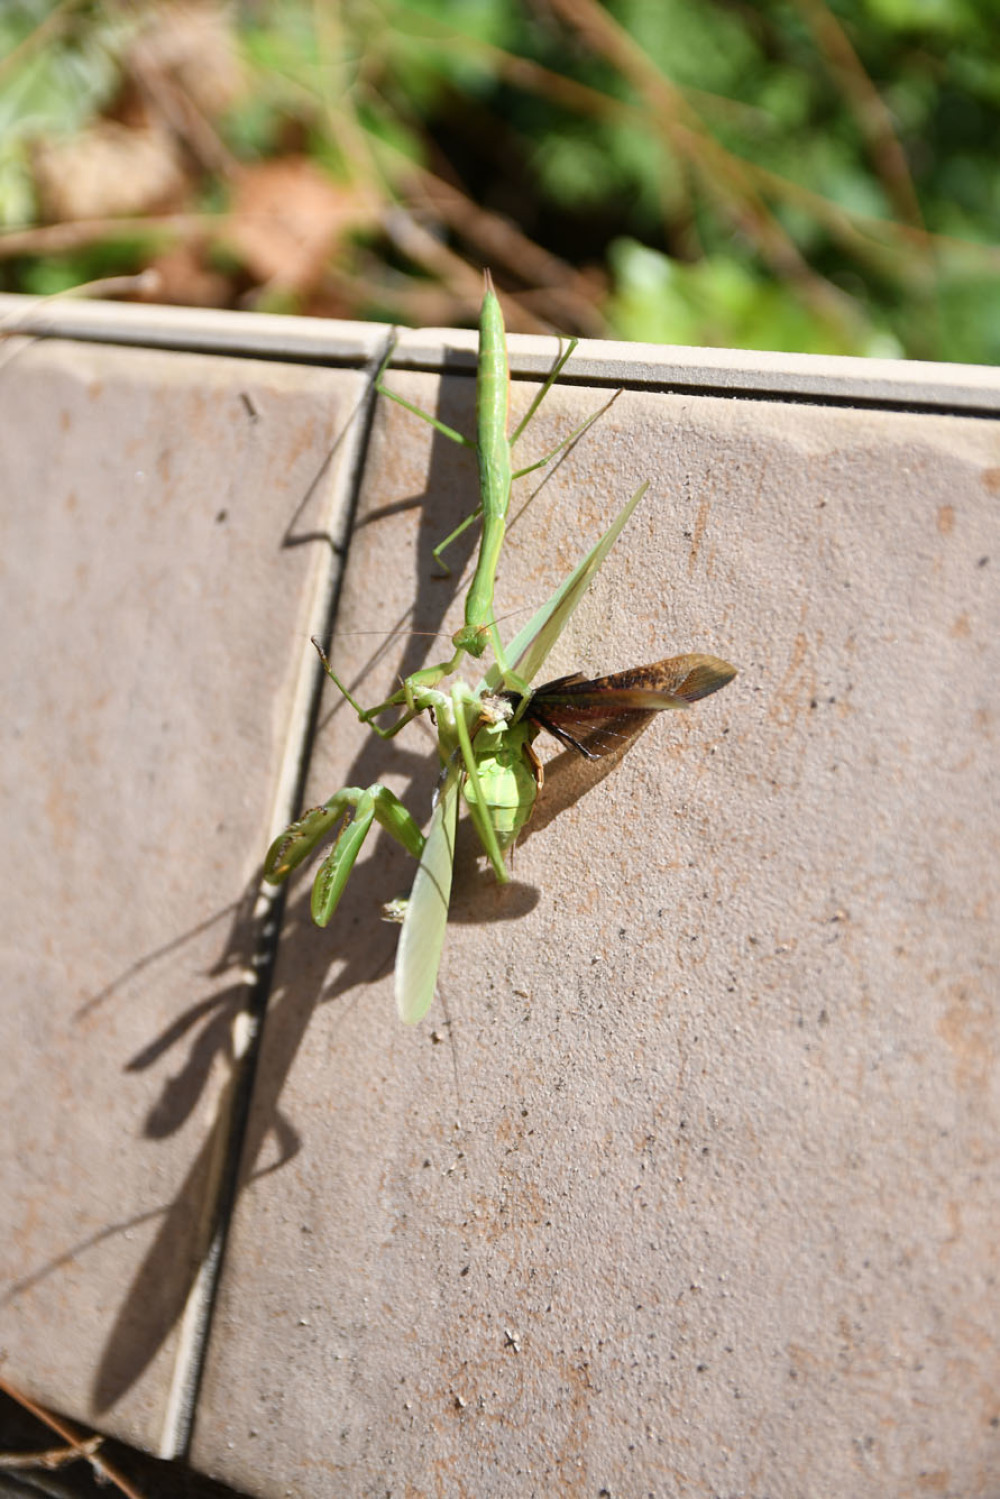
(687, 1184)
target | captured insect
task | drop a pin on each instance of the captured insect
(485, 734)
(599, 716)
(594, 718)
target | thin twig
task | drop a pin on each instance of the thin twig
(722, 174)
(868, 109)
(77, 234)
(81, 1445)
(52, 1458)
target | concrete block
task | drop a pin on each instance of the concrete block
(154, 623)
(686, 1183)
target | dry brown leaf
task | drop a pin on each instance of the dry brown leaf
(186, 280)
(287, 217)
(194, 45)
(108, 171)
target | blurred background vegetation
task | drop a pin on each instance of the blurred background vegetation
(789, 174)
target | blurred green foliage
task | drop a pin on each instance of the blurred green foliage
(789, 175)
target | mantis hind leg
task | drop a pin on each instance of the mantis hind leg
(463, 526)
(551, 379)
(424, 416)
(577, 432)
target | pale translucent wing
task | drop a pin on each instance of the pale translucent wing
(426, 919)
(531, 645)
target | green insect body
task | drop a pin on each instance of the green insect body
(508, 775)
(485, 735)
(495, 475)
(503, 748)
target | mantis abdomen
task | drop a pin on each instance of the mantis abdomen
(509, 776)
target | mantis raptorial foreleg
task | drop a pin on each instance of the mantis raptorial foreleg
(296, 843)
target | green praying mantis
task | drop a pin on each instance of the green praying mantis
(485, 734)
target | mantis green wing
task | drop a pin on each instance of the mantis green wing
(531, 645)
(422, 938)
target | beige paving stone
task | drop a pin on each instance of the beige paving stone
(153, 624)
(687, 1183)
